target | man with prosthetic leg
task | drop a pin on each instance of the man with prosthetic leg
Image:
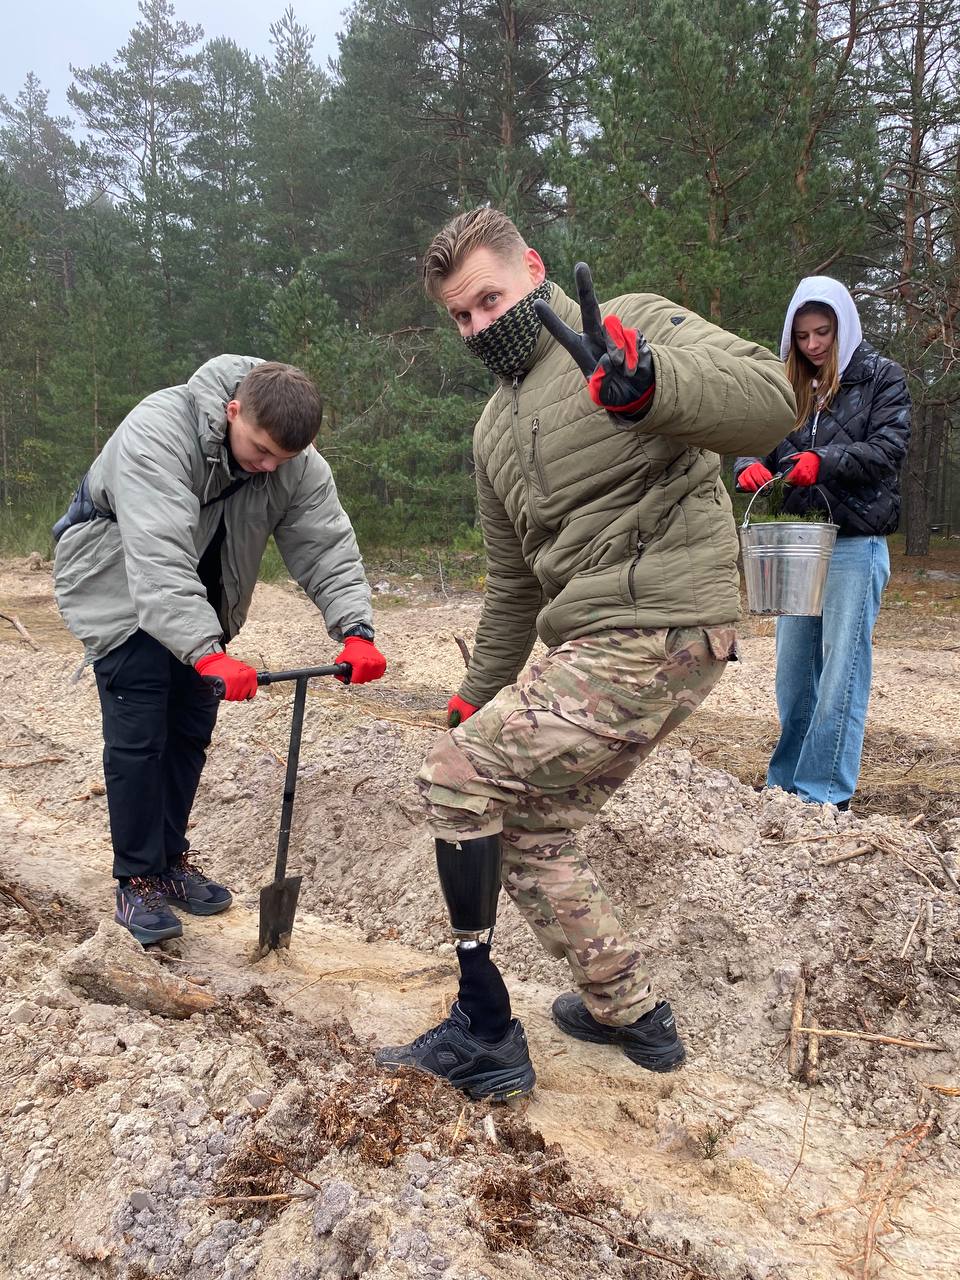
(609, 534)
(480, 1048)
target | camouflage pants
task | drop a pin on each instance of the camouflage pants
(540, 759)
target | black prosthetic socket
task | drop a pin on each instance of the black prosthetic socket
(470, 879)
(483, 994)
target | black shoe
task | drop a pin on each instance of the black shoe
(185, 885)
(843, 806)
(140, 907)
(481, 1070)
(651, 1042)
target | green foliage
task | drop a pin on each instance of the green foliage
(202, 200)
(770, 510)
(25, 528)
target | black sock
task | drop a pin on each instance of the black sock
(123, 881)
(483, 993)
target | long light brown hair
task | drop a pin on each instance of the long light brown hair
(803, 374)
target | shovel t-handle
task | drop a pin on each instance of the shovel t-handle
(306, 673)
(343, 669)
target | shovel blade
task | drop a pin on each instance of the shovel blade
(278, 906)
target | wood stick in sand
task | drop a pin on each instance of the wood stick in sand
(279, 1195)
(811, 1069)
(15, 622)
(944, 864)
(799, 1000)
(873, 1037)
(913, 929)
(859, 852)
(464, 650)
(928, 934)
(28, 764)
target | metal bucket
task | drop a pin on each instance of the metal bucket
(785, 564)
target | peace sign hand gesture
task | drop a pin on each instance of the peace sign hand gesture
(616, 362)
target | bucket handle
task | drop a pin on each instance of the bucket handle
(756, 495)
(772, 480)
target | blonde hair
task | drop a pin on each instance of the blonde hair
(484, 228)
(803, 374)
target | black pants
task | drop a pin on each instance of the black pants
(158, 718)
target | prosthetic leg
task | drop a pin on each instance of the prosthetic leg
(470, 879)
(479, 1048)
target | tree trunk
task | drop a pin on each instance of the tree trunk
(916, 482)
(4, 481)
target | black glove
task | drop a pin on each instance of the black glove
(616, 362)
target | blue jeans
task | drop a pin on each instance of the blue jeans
(824, 666)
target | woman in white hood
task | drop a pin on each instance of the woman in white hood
(845, 453)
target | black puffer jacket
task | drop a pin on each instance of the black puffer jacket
(861, 441)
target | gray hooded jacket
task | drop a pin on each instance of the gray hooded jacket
(166, 459)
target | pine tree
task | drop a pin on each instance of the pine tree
(138, 111)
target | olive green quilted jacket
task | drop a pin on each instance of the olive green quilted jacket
(593, 522)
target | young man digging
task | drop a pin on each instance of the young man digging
(155, 567)
(609, 533)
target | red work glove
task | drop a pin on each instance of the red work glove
(458, 711)
(805, 469)
(240, 681)
(365, 658)
(751, 478)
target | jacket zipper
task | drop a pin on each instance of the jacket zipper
(522, 456)
(813, 429)
(632, 571)
(535, 457)
(515, 421)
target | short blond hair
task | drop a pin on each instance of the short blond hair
(483, 228)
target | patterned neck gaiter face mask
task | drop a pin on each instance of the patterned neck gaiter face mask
(506, 345)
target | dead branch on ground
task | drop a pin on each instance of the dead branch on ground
(28, 764)
(874, 1038)
(682, 1263)
(18, 625)
(464, 649)
(14, 895)
(794, 1057)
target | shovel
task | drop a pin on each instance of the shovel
(278, 900)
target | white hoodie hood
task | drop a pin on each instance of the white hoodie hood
(837, 297)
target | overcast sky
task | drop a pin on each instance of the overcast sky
(46, 36)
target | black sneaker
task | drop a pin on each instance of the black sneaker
(141, 909)
(650, 1042)
(185, 885)
(481, 1070)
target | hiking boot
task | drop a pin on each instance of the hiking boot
(481, 1070)
(184, 885)
(141, 909)
(651, 1042)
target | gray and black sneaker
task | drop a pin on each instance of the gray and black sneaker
(481, 1070)
(651, 1042)
(185, 885)
(141, 909)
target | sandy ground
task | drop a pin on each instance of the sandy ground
(131, 1143)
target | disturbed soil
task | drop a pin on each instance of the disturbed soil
(254, 1138)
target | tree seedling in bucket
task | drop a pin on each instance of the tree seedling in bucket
(785, 558)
